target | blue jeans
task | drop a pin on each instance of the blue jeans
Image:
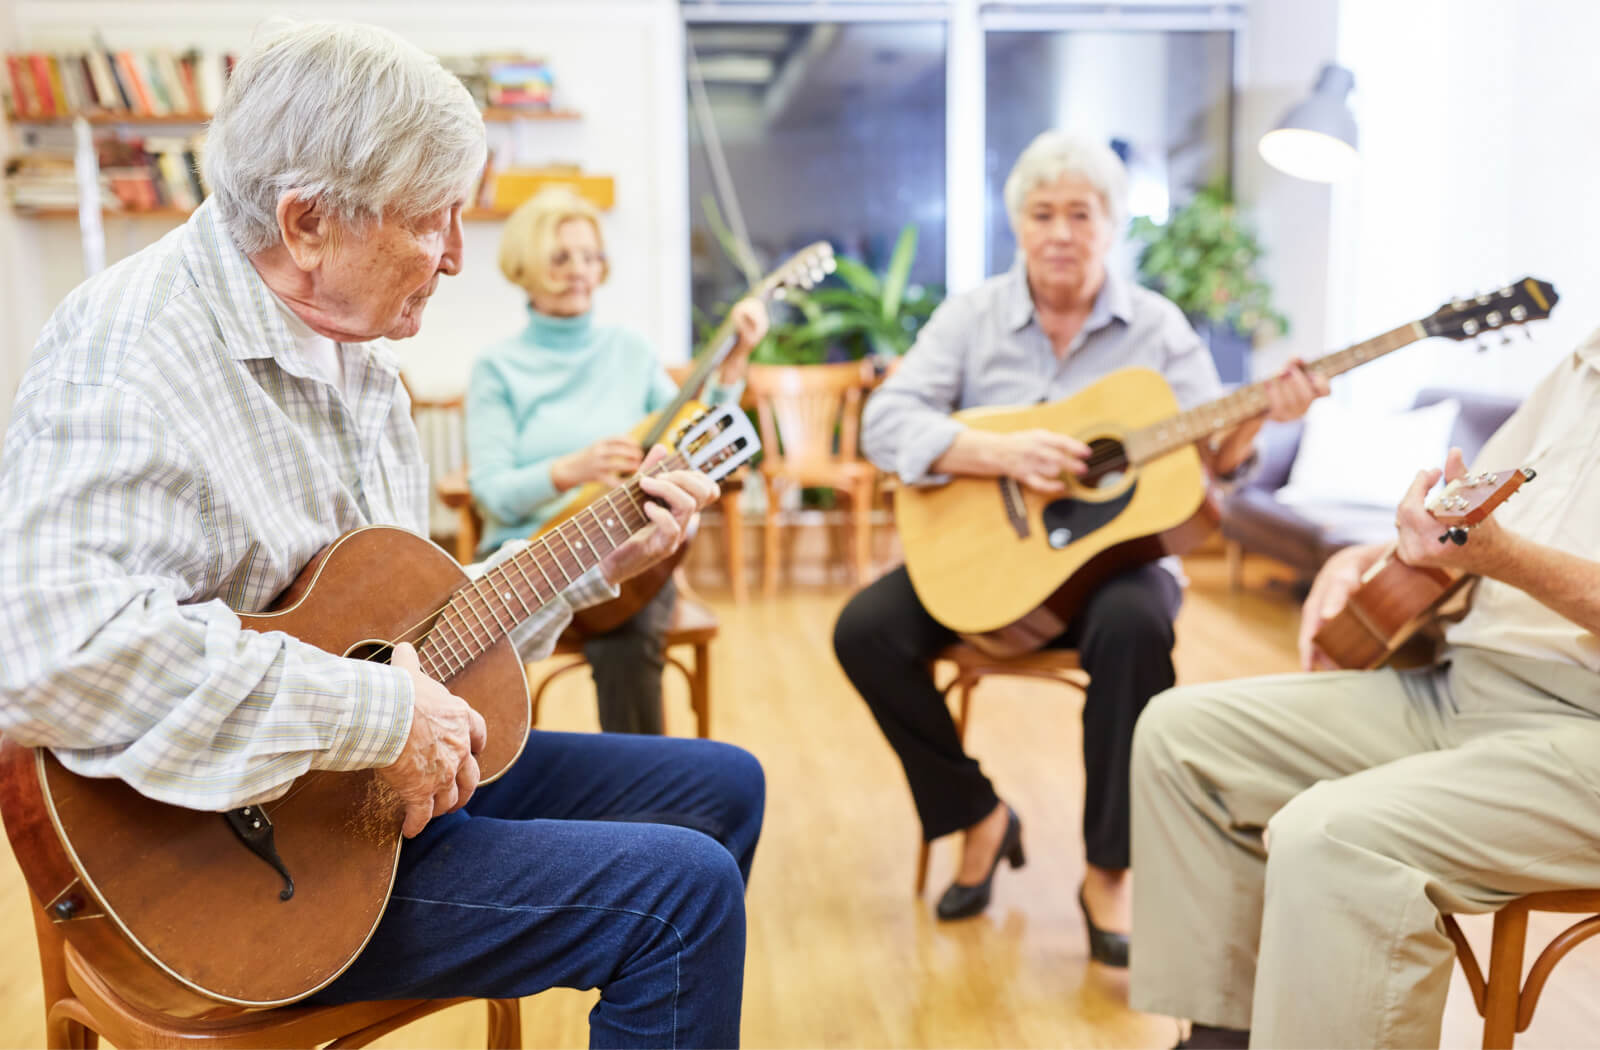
(605, 861)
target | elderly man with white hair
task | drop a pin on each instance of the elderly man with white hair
(1056, 321)
(204, 417)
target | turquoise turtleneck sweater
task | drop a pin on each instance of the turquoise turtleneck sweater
(561, 385)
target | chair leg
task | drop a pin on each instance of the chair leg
(861, 519)
(1235, 554)
(1503, 992)
(700, 690)
(769, 543)
(733, 521)
(505, 1024)
(923, 847)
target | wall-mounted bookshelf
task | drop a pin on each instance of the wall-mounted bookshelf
(179, 214)
(510, 114)
(111, 119)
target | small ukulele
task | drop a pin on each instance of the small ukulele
(1395, 599)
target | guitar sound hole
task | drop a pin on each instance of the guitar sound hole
(373, 652)
(1108, 461)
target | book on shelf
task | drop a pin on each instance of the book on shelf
(136, 174)
(99, 82)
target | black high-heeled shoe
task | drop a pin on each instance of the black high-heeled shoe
(1106, 947)
(963, 902)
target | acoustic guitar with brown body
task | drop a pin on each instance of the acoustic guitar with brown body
(1394, 600)
(196, 914)
(1007, 567)
(803, 269)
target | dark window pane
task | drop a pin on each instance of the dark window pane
(831, 132)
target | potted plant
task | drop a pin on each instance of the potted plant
(1203, 259)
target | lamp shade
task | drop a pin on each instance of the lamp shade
(1316, 140)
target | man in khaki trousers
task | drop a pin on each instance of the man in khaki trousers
(1386, 797)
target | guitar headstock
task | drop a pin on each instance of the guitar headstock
(804, 269)
(1467, 500)
(718, 441)
(1530, 299)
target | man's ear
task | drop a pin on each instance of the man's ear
(305, 229)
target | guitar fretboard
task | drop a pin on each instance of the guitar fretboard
(484, 611)
(1248, 402)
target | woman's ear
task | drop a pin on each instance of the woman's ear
(306, 231)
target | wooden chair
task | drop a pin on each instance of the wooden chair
(693, 624)
(810, 419)
(1504, 1001)
(81, 1008)
(973, 666)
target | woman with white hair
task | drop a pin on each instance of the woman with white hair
(550, 408)
(202, 419)
(1055, 322)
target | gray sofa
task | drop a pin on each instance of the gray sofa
(1302, 537)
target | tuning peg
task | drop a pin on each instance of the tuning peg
(1455, 534)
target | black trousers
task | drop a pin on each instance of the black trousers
(885, 641)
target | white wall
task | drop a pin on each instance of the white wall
(1279, 55)
(618, 61)
(1480, 164)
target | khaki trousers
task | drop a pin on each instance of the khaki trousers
(1388, 798)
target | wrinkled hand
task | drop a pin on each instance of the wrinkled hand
(437, 770)
(683, 492)
(608, 460)
(1290, 392)
(1417, 531)
(750, 321)
(1039, 458)
(1339, 576)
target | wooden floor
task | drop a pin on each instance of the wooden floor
(840, 954)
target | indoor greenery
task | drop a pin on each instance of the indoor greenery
(1203, 259)
(853, 314)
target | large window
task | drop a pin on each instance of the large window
(814, 131)
(1163, 100)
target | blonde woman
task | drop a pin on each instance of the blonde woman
(550, 409)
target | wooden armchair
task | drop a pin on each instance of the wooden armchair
(810, 419)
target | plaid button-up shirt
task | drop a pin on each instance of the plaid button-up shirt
(170, 460)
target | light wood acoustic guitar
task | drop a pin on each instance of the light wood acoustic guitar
(1007, 567)
(803, 269)
(1394, 599)
(194, 913)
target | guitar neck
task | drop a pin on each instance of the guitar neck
(722, 342)
(484, 611)
(1248, 402)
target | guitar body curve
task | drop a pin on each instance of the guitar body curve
(1007, 568)
(129, 863)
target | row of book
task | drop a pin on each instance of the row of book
(44, 86)
(156, 172)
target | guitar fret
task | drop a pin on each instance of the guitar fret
(517, 561)
(533, 552)
(488, 604)
(458, 646)
(570, 577)
(465, 595)
(503, 579)
(611, 544)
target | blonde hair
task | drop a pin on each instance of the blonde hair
(529, 239)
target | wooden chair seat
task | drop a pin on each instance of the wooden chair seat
(81, 1007)
(973, 665)
(1505, 1002)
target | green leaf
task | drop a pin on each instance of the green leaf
(857, 276)
(898, 274)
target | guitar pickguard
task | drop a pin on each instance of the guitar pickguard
(1068, 520)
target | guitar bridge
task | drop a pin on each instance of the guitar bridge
(254, 830)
